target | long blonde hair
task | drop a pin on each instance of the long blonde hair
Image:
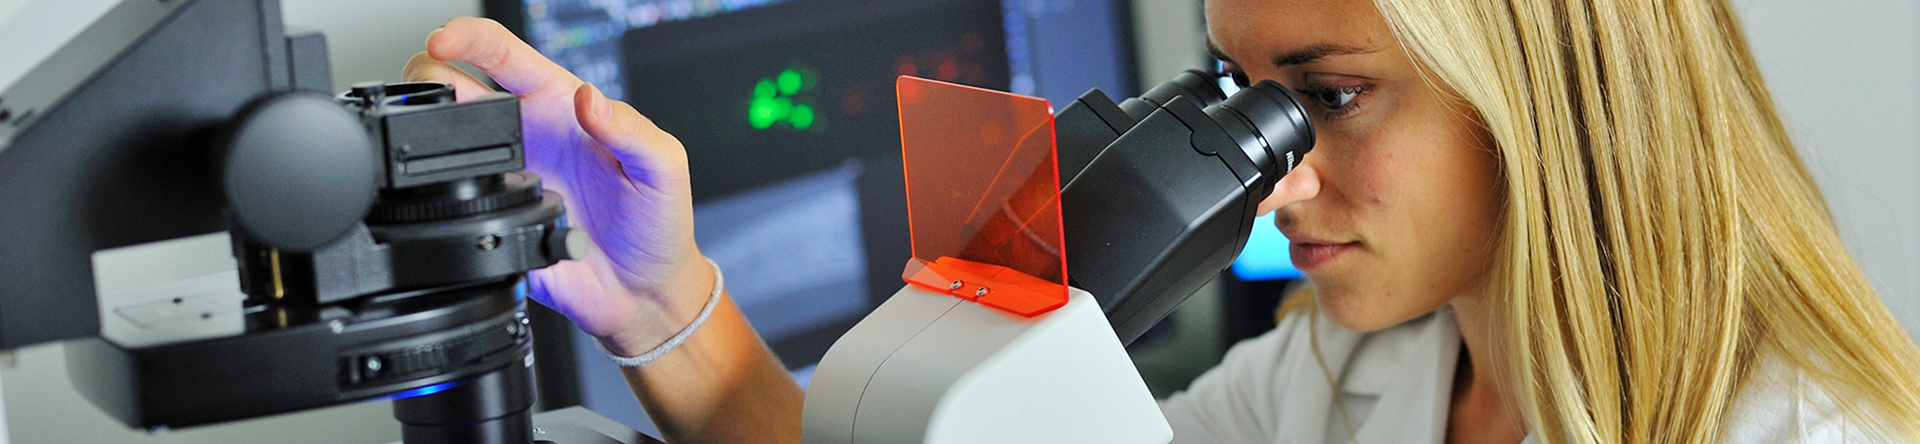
(1660, 232)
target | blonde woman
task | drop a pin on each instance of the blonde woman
(1525, 221)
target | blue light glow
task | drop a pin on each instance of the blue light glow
(1266, 257)
(424, 391)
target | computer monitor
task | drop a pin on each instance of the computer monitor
(787, 111)
(1266, 257)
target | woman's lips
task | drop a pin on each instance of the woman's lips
(1308, 256)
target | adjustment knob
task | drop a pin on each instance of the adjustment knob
(300, 171)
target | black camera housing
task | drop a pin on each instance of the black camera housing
(427, 137)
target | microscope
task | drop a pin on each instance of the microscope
(1022, 294)
(381, 236)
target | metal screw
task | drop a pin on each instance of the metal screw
(513, 329)
(373, 365)
(336, 326)
(954, 286)
(488, 242)
(981, 292)
(406, 148)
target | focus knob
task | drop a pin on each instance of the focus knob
(300, 171)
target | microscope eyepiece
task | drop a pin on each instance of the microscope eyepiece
(1278, 122)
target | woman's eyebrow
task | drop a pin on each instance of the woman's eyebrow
(1302, 56)
(1313, 53)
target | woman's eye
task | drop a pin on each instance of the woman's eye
(1335, 98)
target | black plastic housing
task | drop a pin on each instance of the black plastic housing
(1170, 203)
(104, 145)
(426, 137)
(291, 357)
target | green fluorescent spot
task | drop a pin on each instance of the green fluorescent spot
(777, 100)
(782, 106)
(790, 82)
(762, 113)
(763, 90)
(801, 117)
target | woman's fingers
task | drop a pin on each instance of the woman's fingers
(498, 53)
(639, 145)
(423, 68)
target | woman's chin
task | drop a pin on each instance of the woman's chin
(1356, 313)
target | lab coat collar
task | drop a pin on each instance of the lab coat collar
(1410, 372)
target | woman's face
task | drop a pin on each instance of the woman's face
(1395, 210)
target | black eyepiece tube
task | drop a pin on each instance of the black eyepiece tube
(1276, 118)
(1169, 203)
(1195, 86)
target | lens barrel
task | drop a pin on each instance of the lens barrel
(1280, 131)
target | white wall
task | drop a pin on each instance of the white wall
(1846, 77)
(372, 39)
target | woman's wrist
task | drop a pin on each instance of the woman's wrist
(673, 307)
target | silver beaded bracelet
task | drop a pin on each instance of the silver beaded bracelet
(719, 284)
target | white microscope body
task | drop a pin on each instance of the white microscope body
(932, 368)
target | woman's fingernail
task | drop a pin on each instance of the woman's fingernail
(602, 108)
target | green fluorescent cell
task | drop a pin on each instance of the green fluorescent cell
(790, 82)
(801, 117)
(764, 90)
(781, 107)
(762, 113)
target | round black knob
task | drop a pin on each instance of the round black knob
(300, 171)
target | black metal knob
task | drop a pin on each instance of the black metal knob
(299, 171)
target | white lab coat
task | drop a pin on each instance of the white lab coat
(1396, 384)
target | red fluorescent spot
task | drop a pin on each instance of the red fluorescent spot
(855, 101)
(949, 69)
(905, 67)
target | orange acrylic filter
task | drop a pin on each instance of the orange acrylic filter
(983, 196)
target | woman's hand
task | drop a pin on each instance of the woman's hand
(624, 181)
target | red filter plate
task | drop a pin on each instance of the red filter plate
(983, 196)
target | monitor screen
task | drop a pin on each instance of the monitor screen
(787, 111)
(1266, 257)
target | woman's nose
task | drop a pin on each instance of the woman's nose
(1298, 186)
